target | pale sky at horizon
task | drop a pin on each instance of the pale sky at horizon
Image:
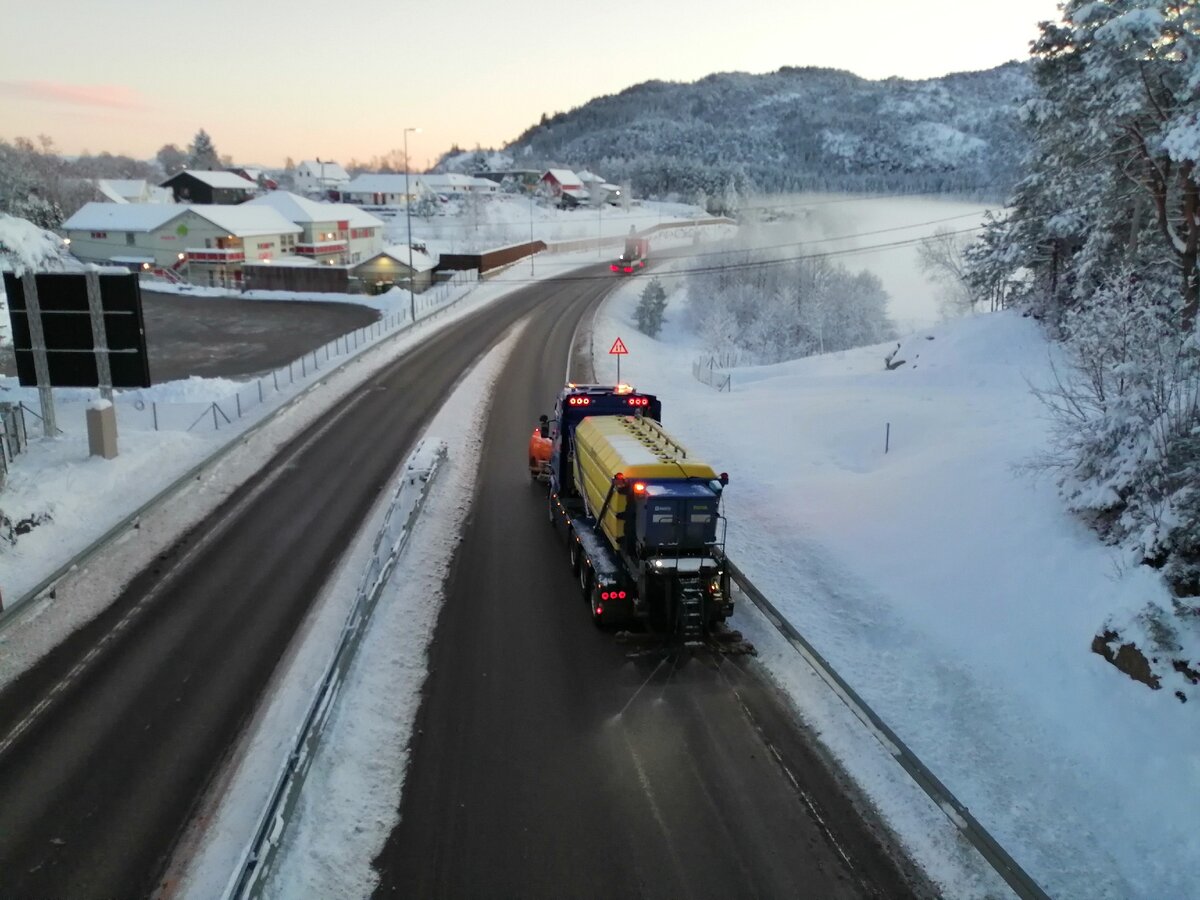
(272, 79)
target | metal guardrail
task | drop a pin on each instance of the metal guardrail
(997, 857)
(255, 864)
(48, 584)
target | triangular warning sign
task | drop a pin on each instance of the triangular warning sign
(618, 347)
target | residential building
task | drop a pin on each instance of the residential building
(390, 268)
(257, 175)
(565, 186)
(204, 244)
(319, 177)
(454, 184)
(199, 186)
(336, 232)
(132, 190)
(384, 190)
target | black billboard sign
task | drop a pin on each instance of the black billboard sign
(67, 325)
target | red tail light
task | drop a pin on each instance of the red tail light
(613, 267)
(639, 487)
(629, 268)
(620, 595)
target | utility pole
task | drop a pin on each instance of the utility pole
(412, 297)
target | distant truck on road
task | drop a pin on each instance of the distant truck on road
(641, 514)
(633, 257)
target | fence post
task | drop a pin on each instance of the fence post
(238, 398)
(315, 366)
(260, 393)
(275, 378)
(216, 424)
(154, 412)
(291, 374)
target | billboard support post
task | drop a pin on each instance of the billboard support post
(99, 335)
(41, 363)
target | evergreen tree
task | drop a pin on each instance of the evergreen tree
(1113, 180)
(202, 154)
(648, 316)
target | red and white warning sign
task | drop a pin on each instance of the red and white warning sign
(618, 348)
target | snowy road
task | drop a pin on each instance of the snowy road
(99, 779)
(546, 763)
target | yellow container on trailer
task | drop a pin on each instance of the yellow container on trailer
(636, 447)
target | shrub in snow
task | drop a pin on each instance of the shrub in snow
(1127, 424)
(774, 311)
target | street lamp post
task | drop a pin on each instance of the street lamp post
(412, 298)
(531, 193)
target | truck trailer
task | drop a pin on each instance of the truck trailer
(640, 512)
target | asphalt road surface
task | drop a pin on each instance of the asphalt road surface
(97, 785)
(547, 763)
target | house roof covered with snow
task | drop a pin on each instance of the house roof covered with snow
(97, 216)
(371, 183)
(223, 180)
(295, 208)
(421, 262)
(329, 170)
(242, 220)
(563, 176)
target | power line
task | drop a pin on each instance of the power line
(754, 264)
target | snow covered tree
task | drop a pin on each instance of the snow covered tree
(1113, 178)
(201, 152)
(1127, 417)
(171, 159)
(648, 316)
(942, 258)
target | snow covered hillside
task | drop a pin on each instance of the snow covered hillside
(794, 129)
(949, 587)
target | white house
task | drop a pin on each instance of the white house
(384, 190)
(335, 232)
(316, 176)
(204, 244)
(132, 190)
(455, 184)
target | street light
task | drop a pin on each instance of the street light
(412, 299)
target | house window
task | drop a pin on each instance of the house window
(129, 238)
(99, 235)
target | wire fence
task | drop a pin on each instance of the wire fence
(710, 371)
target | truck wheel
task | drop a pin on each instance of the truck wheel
(576, 553)
(593, 598)
(585, 581)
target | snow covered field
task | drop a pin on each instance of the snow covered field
(948, 587)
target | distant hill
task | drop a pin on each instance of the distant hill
(795, 129)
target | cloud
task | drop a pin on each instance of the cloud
(108, 96)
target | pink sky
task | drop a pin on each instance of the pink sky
(271, 79)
